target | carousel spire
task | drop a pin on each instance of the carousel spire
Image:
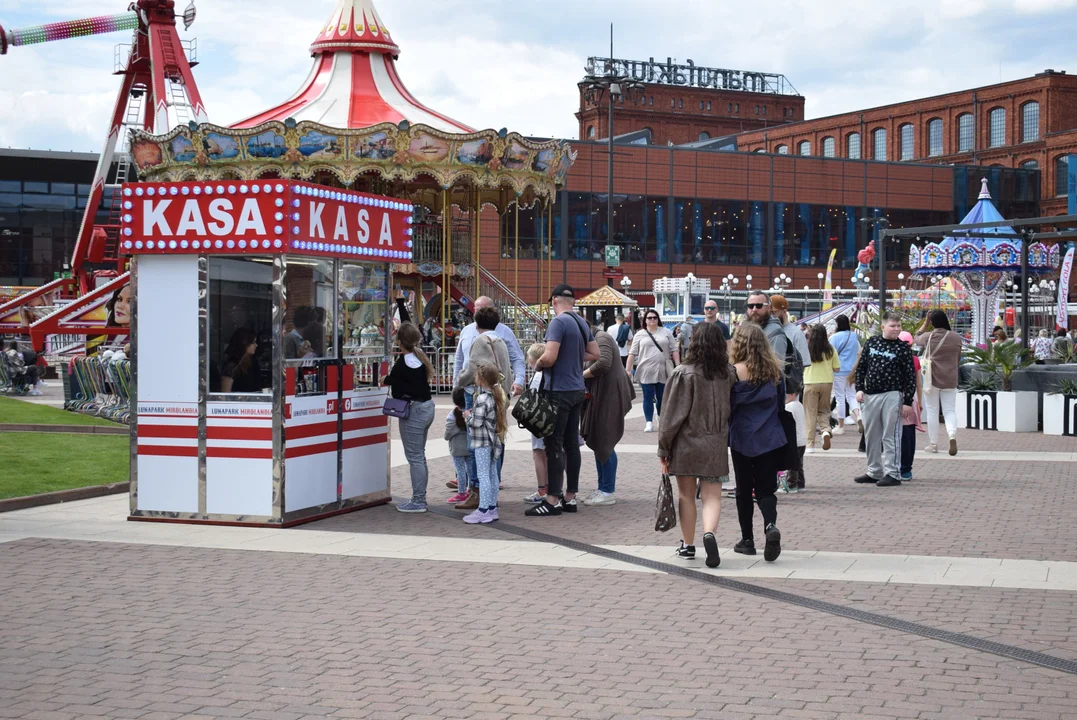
(355, 25)
(354, 82)
(985, 194)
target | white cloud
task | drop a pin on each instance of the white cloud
(494, 63)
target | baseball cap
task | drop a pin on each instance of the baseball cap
(778, 302)
(563, 291)
(905, 336)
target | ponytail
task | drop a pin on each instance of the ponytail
(409, 338)
(502, 402)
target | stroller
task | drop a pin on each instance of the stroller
(18, 378)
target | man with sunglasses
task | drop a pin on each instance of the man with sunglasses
(759, 313)
(710, 314)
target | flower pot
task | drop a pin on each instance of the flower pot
(1060, 415)
(997, 410)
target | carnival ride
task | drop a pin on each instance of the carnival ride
(157, 92)
(982, 264)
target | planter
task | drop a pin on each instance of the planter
(998, 410)
(1060, 415)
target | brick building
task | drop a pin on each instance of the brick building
(680, 111)
(1029, 123)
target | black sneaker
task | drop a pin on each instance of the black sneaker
(888, 481)
(688, 552)
(745, 547)
(862, 479)
(773, 548)
(544, 509)
(568, 506)
(711, 545)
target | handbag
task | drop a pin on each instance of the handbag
(669, 363)
(535, 411)
(665, 513)
(396, 408)
(790, 456)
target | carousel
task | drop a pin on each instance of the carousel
(353, 125)
(982, 264)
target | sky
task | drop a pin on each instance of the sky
(497, 63)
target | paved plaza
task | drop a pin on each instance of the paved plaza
(952, 596)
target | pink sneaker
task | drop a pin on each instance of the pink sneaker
(492, 515)
(477, 516)
(457, 498)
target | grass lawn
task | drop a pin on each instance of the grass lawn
(43, 462)
(18, 412)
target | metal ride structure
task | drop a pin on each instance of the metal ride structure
(354, 126)
(983, 252)
(157, 92)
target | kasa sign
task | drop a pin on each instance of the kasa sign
(242, 218)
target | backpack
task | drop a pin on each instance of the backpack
(793, 369)
(622, 335)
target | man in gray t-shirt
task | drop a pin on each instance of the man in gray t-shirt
(569, 344)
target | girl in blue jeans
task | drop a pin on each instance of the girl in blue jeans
(488, 424)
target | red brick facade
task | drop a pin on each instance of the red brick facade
(680, 114)
(1054, 135)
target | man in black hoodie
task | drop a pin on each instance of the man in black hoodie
(886, 383)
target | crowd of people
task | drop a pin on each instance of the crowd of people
(757, 399)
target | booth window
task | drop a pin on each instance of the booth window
(363, 292)
(310, 323)
(240, 325)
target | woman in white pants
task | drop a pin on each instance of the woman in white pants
(942, 354)
(847, 345)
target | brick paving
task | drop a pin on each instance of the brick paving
(117, 631)
(1041, 620)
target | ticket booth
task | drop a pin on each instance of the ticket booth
(260, 330)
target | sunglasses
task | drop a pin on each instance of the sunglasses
(711, 307)
(652, 317)
(756, 306)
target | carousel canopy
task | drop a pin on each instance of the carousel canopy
(606, 297)
(981, 254)
(353, 82)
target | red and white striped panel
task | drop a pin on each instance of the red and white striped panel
(167, 434)
(239, 459)
(239, 431)
(365, 455)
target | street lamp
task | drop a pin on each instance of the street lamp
(728, 283)
(612, 87)
(626, 283)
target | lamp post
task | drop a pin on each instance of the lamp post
(612, 87)
(728, 283)
(626, 283)
(690, 279)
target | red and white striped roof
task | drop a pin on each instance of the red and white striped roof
(354, 83)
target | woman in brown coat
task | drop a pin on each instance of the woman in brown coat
(603, 420)
(694, 436)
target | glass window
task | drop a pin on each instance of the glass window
(723, 232)
(12, 186)
(1030, 165)
(1030, 122)
(785, 112)
(964, 132)
(579, 225)
(363, 293)
(934, 137)
(50, 202)
(83, 189)
(764, 109)
(828, 147)
(997, 127)
(63, 188)
(804, 147)
(628, 226)
(240, 325)
(783, 150)
(1061, 169)
(35, 187)
(308, 320)
(878, 142)
(908, 151)
(852, 146)
(704, 136)
(708, 104)
(650, 100)
(730, 107)
(590, 131)
(10, 199)
(680, 103)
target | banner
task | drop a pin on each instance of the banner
(827, 295)
(1062, 318)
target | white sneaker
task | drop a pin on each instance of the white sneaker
(809, 450)
(839, 430)
(35, 391)
(535, 498)
(931, 448)
(600, 498)
(649, 427)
